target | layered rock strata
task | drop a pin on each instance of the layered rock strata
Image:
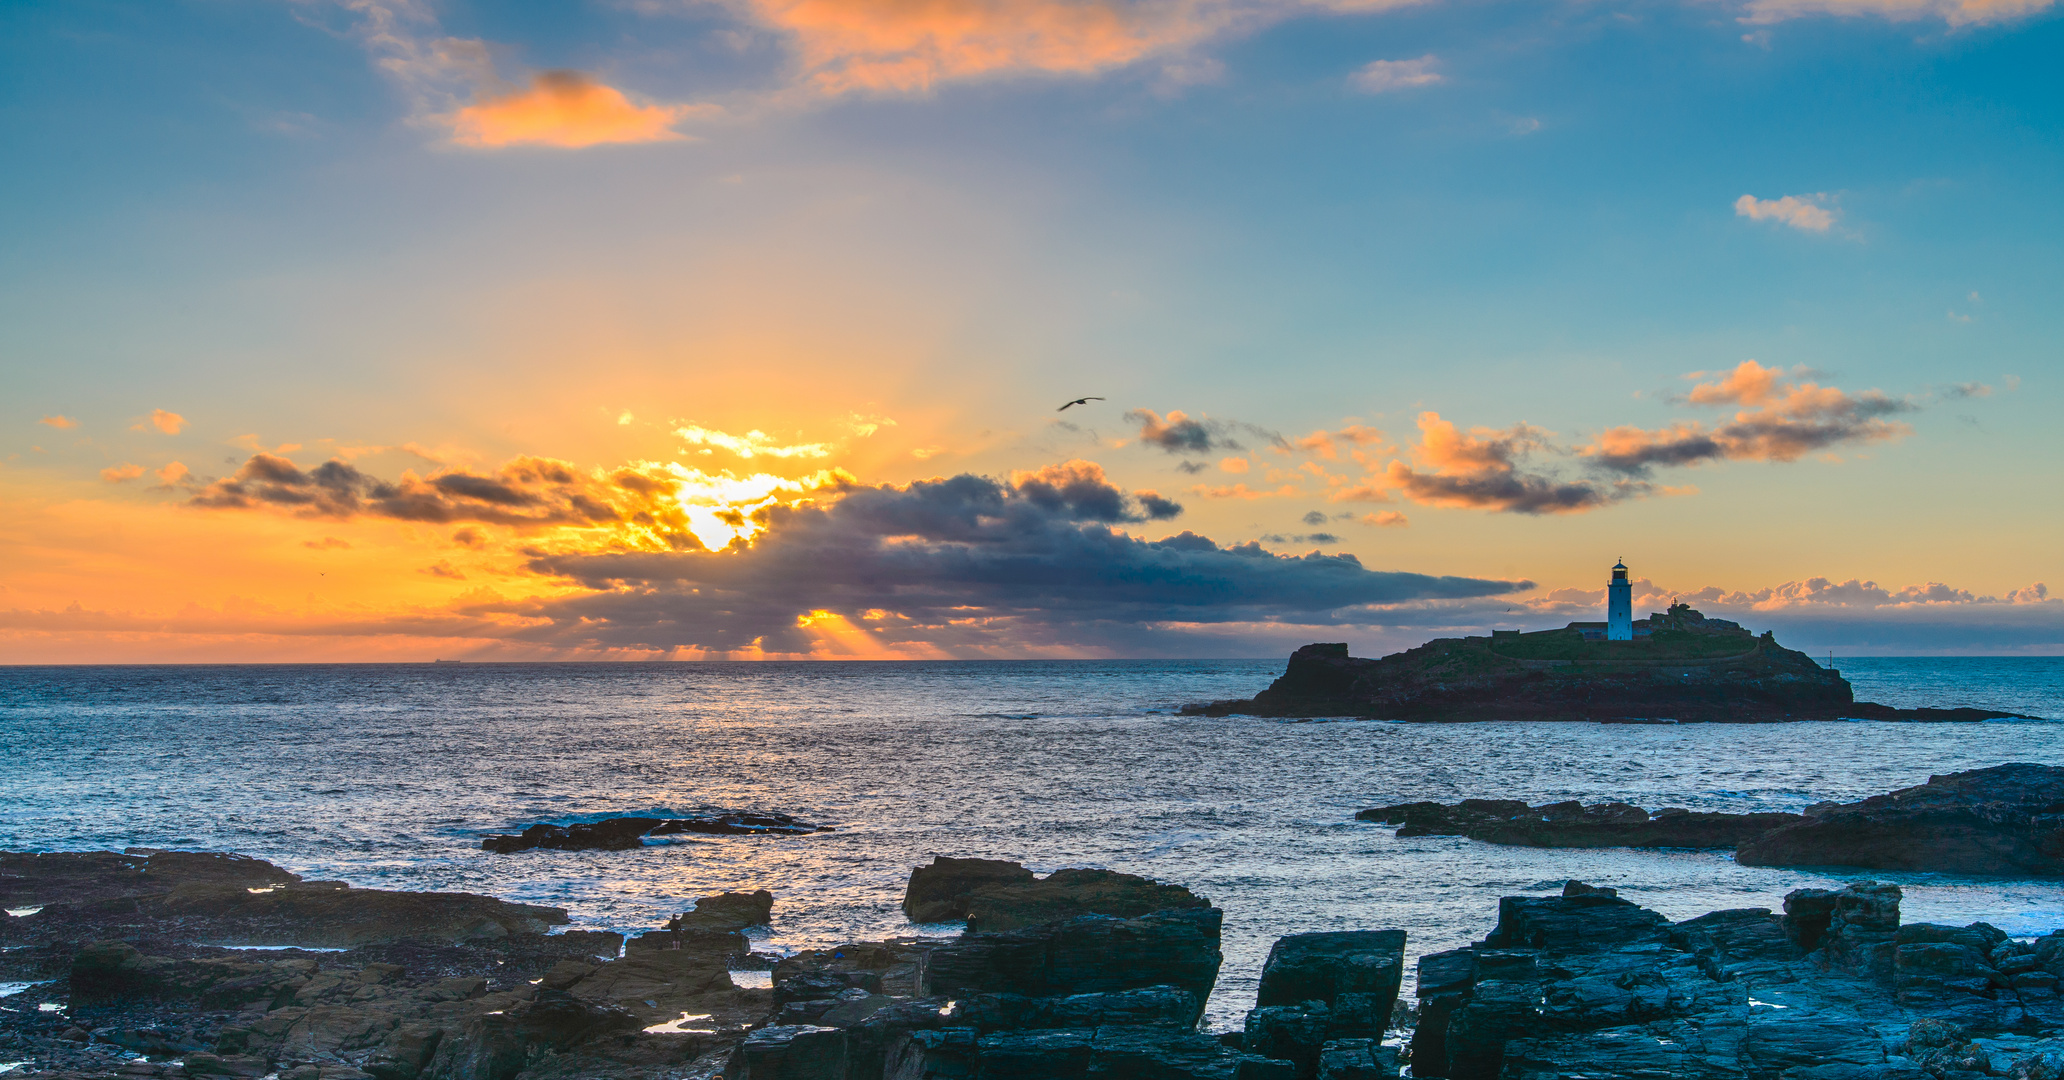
(2007, 819)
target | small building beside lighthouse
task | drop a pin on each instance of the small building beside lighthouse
(1619, 605)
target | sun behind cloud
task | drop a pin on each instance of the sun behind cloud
(570, 110)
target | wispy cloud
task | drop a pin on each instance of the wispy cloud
(1953, 12)
(121, 474)
(752, 444)
(1803, 212)
(1382, 76)
(62, 423)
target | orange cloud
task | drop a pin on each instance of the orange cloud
(1785, 421)
(567, 109)
(1388, 519)
(121, 474)
(898, 46)
(62, 423)
(172, 474)
(167, 422)
(1233, 465)
(1488, 469)
(1370, 491)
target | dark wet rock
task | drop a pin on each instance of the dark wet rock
(790, 1052)
(625, 833)
(726, 912)
(1692, 669)
(996, 895)
(1088, 954)
(1095, 995)
(1319, 989)
(1836, 989)
(2008, 819)
(77, 877)
(889, 967)
(1065, 894)
(939, 892)
(111, 971)
(1575, 825)
(1357, 1059)
(497, 1045)
(657, 986)
(616, 834)
(229, 899)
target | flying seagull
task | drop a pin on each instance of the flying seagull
(1078, 401)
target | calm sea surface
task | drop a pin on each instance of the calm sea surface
(387, 775)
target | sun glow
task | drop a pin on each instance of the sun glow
(719, 507)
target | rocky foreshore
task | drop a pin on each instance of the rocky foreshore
(1693, 670)
(2008, 819)
(105, 980)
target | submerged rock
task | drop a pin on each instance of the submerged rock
(2008, 819)
(625, 833)
(1575, 825)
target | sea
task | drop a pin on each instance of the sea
(388, 775)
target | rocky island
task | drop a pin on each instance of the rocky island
(1680, 666)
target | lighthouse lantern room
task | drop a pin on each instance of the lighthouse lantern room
(1619, 605)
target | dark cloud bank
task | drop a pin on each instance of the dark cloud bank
(968, 563)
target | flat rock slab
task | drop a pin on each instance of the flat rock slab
(1575, 825)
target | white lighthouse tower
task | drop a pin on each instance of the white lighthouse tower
(1619, 605)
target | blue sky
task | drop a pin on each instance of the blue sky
(326, 225)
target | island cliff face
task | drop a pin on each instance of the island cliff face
(1688, 669)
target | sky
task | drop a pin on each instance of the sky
(358, 330)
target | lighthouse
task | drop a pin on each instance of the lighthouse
(1619, 605)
